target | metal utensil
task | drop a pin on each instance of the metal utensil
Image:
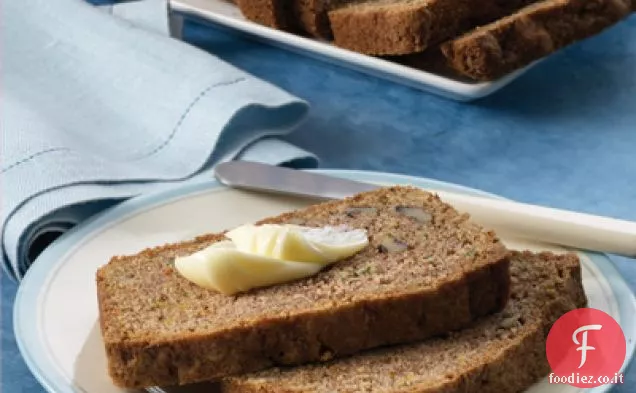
(549, 225)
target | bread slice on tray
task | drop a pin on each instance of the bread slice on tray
(272, 13)
(378, 27)
(486, 39)
(312, 16)
(501, 353)
(398, 27)
(298, 16)
(538, 30)
(427, 270)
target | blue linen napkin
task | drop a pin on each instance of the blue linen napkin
(100, 105)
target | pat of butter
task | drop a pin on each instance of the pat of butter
(263, 255)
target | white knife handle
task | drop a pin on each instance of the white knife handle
(578, 230)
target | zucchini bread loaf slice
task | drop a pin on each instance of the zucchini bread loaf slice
(538, 30)
(312, 16)
(378, 27)
(501, 353)
(271, 13)
(297, 16)
(399, 27)
(427, 270)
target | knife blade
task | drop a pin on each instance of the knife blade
(279, 180)
(537, 223)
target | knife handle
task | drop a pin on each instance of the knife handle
(549, 225)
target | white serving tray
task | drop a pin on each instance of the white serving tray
(225, 14)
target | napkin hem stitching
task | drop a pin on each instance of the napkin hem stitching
(155, 150)
(32, 156)
(186, 113)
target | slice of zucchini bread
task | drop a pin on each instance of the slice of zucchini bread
(427, 270)
(501, 353)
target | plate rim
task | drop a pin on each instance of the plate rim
(31, 285)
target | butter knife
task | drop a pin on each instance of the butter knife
(522, 220)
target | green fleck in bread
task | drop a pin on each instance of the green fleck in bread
(501, 353)
(428, 270)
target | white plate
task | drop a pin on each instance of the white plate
(226, 14)
(56, 308)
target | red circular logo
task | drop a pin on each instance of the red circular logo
(586, 348)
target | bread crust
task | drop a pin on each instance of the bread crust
(536, 31)
(295, 16)
(381, 30)
(490, 365)
(312, 17)
(308, 17)
(317, 333)
(400, 28)
(276, 14)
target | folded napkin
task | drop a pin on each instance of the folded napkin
(100, 105)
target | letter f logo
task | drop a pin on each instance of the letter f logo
(573, 330)
(584, 347)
